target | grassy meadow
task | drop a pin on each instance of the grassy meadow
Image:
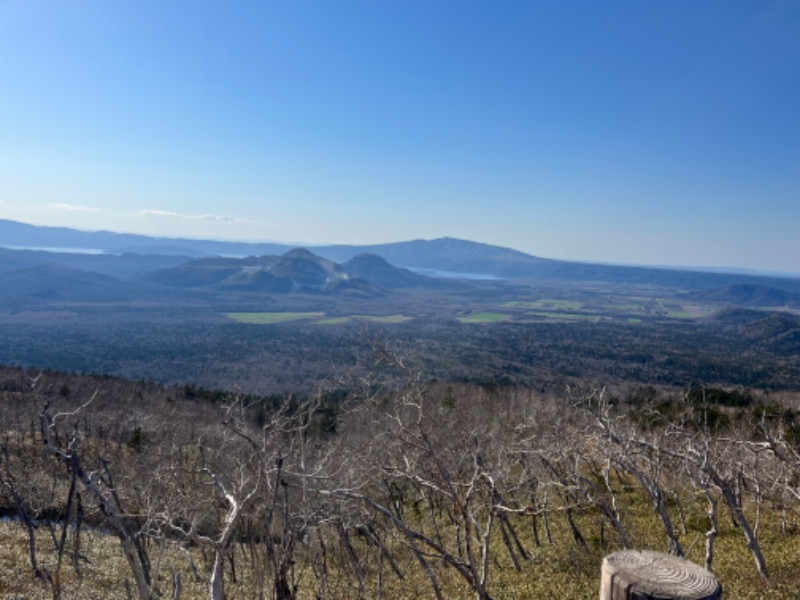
(272, 318)
(561, 569)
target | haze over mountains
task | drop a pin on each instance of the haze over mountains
(367, 270)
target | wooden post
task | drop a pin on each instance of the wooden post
(646, 575)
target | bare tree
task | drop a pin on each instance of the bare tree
(687, 445)
(457, 465)
(99, 485)
(643, 460)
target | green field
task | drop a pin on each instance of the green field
(484, 317)
(570, 316)
(334, 321)
(271, 318)
(680, 314)
(628, 306)
(372, 318)
(548, 304)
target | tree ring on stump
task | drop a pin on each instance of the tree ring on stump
(643, 574)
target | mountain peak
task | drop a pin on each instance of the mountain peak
(300, 253)
(377, 269)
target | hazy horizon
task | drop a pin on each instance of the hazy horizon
(312, 245)
(632, 133)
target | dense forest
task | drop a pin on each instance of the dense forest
(741, 348)
(397, 487)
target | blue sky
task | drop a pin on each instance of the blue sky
(623, 131)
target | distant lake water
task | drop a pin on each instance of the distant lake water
(53, 249)
(452, 274)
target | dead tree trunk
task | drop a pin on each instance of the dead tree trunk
(106, 499)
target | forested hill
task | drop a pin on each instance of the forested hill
(751, 295)
(298, 270)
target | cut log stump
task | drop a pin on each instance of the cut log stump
(646, 575)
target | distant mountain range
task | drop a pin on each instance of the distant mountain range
(298, 270)
(443, 255)
(268, 267)
(14, 233)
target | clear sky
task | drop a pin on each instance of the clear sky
(649, 132)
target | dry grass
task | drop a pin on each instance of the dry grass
(559, 570)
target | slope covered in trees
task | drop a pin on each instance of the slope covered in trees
(405, 491)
